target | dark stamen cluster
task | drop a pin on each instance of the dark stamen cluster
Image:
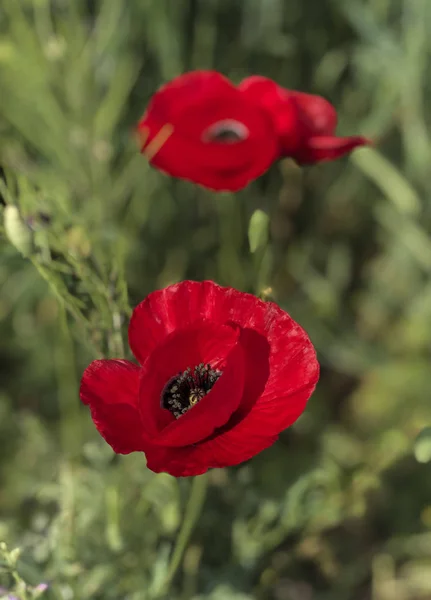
(187, 388)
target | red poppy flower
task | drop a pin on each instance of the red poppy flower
(305, 123)
(221, 374)
(200, 127)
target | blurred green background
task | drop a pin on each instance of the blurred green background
(340, 507)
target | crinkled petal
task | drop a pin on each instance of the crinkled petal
(293, 369)
(179, 305)
(250, 437)
(294, 372)
(194, 460)
(111, 388)
(174, 307)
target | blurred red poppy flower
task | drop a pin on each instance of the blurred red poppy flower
(305, 123)
(200, 127)
(221, 374)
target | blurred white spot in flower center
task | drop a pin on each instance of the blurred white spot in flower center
(228, 131)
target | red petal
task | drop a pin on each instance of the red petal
(302, 121)
(181, 304)
(111, 388)
(203, 342)
(215, 166)
(323, 148)
(256, 350)
(194, 102)
(178, 462)
(193, 87)
(165, 310)
(286, 393)
(296, 115)
(281, 106)
(252, 435)
(194, 460)
(319, 114)
(310, 113)
(264, 92)
(294, 372)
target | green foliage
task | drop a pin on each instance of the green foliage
(339, 508)
(8, 566)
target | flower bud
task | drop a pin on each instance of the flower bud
(17, 231)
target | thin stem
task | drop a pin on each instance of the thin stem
(116, 344)
(191, 516)
(70, 427)
(263, 262)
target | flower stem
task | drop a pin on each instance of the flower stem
(193, 510)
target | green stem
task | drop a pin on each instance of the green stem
(191, 516)
(262, 265)
(68, 393)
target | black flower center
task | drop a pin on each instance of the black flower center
(226, 132)
(186, 389)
